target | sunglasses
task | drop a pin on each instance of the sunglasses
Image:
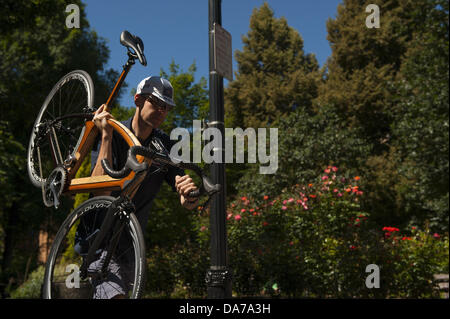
(159, 104)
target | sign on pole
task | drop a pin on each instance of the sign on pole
(223, 59)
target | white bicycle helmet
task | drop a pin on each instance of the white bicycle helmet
(158, 87)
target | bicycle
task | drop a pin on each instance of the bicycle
(103, 232)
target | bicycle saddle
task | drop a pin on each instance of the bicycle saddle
(135, 43)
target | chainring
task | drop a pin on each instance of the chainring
(54, 186)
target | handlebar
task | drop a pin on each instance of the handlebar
(133, 165)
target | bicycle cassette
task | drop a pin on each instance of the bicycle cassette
(54, 186)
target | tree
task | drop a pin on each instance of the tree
(420, 130)
(307, 145)
(274, 74)
(37, 49)
(191, 98)
(274, 79)
(365, 61)
(364, 72)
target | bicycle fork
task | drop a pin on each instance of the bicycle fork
(114, 220)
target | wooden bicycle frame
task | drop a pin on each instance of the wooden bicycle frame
(84, 146)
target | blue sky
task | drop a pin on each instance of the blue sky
(178, 30)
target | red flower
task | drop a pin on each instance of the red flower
(436, 235)
(266, 197)
(390, 229)
(237, 217)
(244, 198)
(243, 210)
(265, 223)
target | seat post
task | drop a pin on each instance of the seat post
(126, 69)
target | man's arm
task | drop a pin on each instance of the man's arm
(105, 152)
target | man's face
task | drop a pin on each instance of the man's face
(150, 113)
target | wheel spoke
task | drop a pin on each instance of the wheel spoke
(123, 266)
(70, 95)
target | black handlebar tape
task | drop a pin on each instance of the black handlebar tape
(131, 165)
(115, 174)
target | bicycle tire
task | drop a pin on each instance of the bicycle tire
(63, 261)
(66, 102)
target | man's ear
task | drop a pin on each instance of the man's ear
(139, 100)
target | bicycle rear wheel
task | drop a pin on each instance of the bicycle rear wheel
(126, 274)
(50, 145)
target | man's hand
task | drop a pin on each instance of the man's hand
(184, 186)
(100, 120)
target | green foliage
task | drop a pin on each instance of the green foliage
(191, 98)
(305, 144)
(31, 289)
(37, 49)
(274, 74)
(420, 129)
(312, 240)
(315, 240)
(12, 164)
(364, 61)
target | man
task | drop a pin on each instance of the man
(153, 100)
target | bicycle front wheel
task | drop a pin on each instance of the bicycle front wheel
(126, 269)
(50, 145)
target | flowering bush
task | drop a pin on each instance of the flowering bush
(314, 240)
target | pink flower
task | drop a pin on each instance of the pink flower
(436, 235)
(334, 168)
(244, 198)
(203, 228)
(283, 207)
(284, 202)
(335, 190)
(325, 177)
(237, 217)
(327, 171)
(290, 200)
(339, 195)
(243, 210)
(229, 216)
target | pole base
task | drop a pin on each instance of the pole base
(218, 281)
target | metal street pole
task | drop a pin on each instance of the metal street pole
(218, 277)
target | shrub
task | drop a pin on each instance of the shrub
(314, 240)
(31, 289)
